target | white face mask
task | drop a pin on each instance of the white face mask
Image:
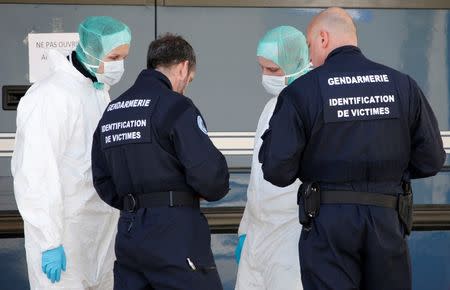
(275, 84)
(112, 72)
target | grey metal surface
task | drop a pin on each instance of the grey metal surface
(227, 88)
(19, 20)
(430, 257)
(7, 201)
(436, 4)
(237, 196)
(13, 265)
(430, 4)
(92, 2)
(51, 18)
(433, 190)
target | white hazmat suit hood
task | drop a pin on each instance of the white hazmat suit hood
(53, 187)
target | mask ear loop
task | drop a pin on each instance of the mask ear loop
(87, 53)
(302, 71)
(97, 85)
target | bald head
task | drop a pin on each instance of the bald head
(335, 20)
(330, 29)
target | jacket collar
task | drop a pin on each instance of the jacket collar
(147, 74)
(343, 50)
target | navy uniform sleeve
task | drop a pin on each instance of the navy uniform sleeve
(205, 167)
(283, 144)
(103, 182)
(427, 151)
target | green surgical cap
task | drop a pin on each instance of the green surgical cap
(99, 35)
(286, 46)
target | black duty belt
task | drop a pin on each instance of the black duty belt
(132, 202)
(356, 197)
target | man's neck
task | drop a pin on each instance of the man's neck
(167, 73)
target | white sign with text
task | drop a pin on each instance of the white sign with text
(40, 43)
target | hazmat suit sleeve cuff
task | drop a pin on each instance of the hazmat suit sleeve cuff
(52, 245)
(243, 226)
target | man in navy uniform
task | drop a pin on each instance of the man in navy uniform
(153, 160)
(355, 132)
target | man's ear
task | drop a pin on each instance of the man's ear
(325, 38)
(185, 69)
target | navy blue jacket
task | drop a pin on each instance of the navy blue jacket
(152, 139)
(352, 124)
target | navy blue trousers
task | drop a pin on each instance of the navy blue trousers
(355, 247)
(153, 247)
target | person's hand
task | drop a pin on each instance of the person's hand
(239, 247)
(53, 261)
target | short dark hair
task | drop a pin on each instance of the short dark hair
(170, 49)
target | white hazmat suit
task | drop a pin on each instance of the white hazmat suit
(53, 185)
(269, 258)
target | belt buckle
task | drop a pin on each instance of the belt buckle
(133, 202)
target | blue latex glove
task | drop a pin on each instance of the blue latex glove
(53, 261)
(239, 247)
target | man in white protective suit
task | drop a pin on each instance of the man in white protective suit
(69, 230)
(267, 252)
